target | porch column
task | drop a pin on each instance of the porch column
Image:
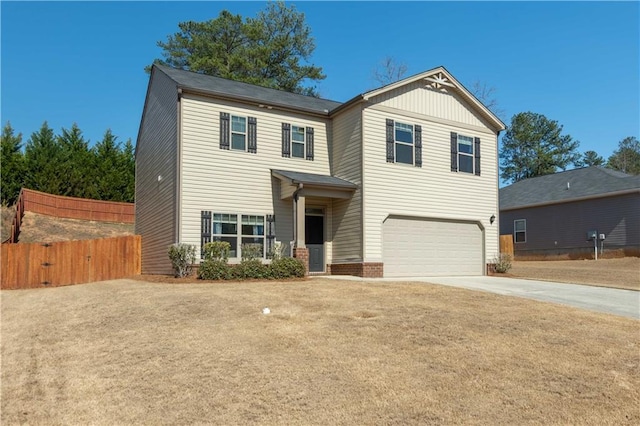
(300, 222)
(300, 251)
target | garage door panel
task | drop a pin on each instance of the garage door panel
(417, 247)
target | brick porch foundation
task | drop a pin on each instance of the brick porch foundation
(303, 255)
(358, 269)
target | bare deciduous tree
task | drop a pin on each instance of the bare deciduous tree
(389, 70)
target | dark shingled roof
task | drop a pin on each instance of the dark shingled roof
(314, 179)
(228, 88)
(585, 182)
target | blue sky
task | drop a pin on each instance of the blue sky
(576, 63)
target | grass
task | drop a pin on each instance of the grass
(618, 273)
(331, 352)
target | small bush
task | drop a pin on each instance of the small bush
(211, 269)
(182, 256)
(502, 263)
(216, 250)
(251, 269)
(287, 267)
(251, 251)
(277, 251)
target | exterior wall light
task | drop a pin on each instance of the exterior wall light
(492, 219)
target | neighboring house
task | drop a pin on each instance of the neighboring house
(551, 215)
(398, 181)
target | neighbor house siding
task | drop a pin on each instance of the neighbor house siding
(562, 228)
(430, 191)
(346, 163)
(228, 181)
(415, 98)
(156, 155)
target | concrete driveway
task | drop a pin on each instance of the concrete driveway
(625, 303)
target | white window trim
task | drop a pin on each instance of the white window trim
(515, 231)
(472, 155)
(244, 134)
(239, 235)
(412, 144)
(303, 143)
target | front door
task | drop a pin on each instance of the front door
(314, 240)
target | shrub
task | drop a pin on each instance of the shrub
(212, 269)
(253, 268)
(216, 250)
(277, 251)
(182, 256)
(251, 251)
(287, 267)
(502, 263)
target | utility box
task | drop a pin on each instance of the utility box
(592, 235)
(601, 236)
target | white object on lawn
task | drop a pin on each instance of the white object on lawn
(266, 311)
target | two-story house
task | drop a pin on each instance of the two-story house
(398, 181)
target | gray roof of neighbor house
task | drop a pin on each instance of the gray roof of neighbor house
(565, 186)
(228, 88)
(313, 179)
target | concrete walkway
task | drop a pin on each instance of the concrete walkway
(625, 303)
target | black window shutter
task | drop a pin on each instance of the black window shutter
(309, 136)
(271, 234)
(418, 145)
(252, 135)
(390, 141)
(454, 152)
(224, 130)
(476, 153)
(205, 229)
(286, 140)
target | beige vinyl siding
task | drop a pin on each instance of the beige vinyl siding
(346, 163)
(156, 155)
(432, 191)
(416, 98)
(228, 181)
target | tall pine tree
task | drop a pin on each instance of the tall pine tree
(12, 164)
(43, 155)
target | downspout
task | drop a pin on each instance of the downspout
(178, 176)
(294, 243)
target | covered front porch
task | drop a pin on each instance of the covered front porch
(311, 197)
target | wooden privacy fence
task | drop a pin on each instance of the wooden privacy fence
(77, 208)
(71, 262)
(506, 244)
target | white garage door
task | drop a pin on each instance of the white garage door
(421, 247)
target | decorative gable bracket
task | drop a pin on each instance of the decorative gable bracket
(438, 81)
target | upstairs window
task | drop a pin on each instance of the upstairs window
(404, 143)
(465, 154)
(238, 133)
(297, 141)
(520, 230)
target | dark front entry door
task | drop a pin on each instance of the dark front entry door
(314, 240)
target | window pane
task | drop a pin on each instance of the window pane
(404, 133)
(465, 144)
(404, 153)
(260, 241)
(465, 163)
(520, 237)
(238, 124)
(520, 225)
(297, 133)
(233, 241)
(297, 150)
(237, 141)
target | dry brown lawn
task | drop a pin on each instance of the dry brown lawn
(618, 273)
(42, 228)
(331, 352)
